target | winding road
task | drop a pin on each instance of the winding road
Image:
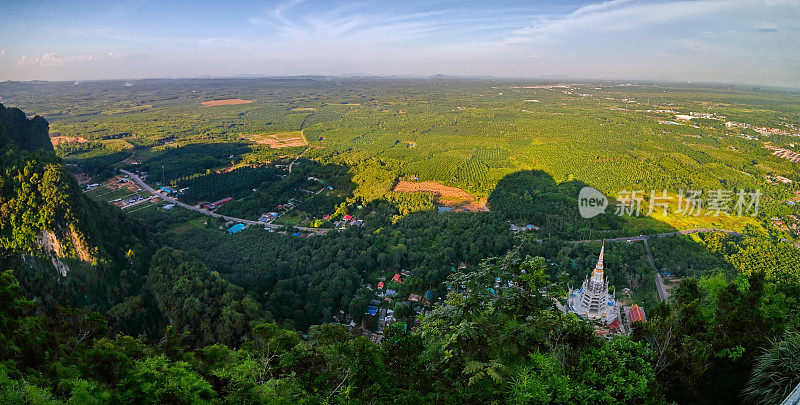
(658, 235)
(175, 201)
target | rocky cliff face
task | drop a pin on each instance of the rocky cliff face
(27, 134)
(52, 235)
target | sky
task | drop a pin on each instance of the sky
(727, 41)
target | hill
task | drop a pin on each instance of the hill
(66, 249)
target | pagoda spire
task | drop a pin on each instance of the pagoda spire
(599, 265)
(597, 274)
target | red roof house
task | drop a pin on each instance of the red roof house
(348, 217)
(380, 285)
(635, 314)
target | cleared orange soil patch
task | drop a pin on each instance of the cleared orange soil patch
(66, 139)
(227, 101)
(445, 195)
(279, 140)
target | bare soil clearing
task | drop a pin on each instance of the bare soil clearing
(447, 196)
(227, 101)
(279, 140)
(59, 139)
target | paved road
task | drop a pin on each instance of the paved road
(203, 211)
(622, 327)
(663, 295)
(649, 255)
(658, 235)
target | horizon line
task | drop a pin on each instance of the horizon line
(543, 78)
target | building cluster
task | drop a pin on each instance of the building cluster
(347, 220)
(268, 217)
(766, 131)
(593, 302)
(790, 224)
(708, 116)
(130, 201)
(794, 200)
(776, 179)
(384, 304)
(787, 154)
(522, 228)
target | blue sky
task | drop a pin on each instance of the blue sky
(746, 41)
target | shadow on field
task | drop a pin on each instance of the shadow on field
(534, 197)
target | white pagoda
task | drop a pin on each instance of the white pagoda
(593, 301)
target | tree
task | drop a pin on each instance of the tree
(159, 380)
(619, 371)
(540, 380)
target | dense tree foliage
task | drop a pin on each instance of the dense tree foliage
(756, 251)
(534, 197)
(474, 348)
(308, 281)
(708, 338)
(201, 304)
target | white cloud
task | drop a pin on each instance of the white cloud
(620, 15)
(46, 60)
(365, 24)
(50, 60)
(591, 8)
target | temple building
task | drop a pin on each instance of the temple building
(593, 301)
